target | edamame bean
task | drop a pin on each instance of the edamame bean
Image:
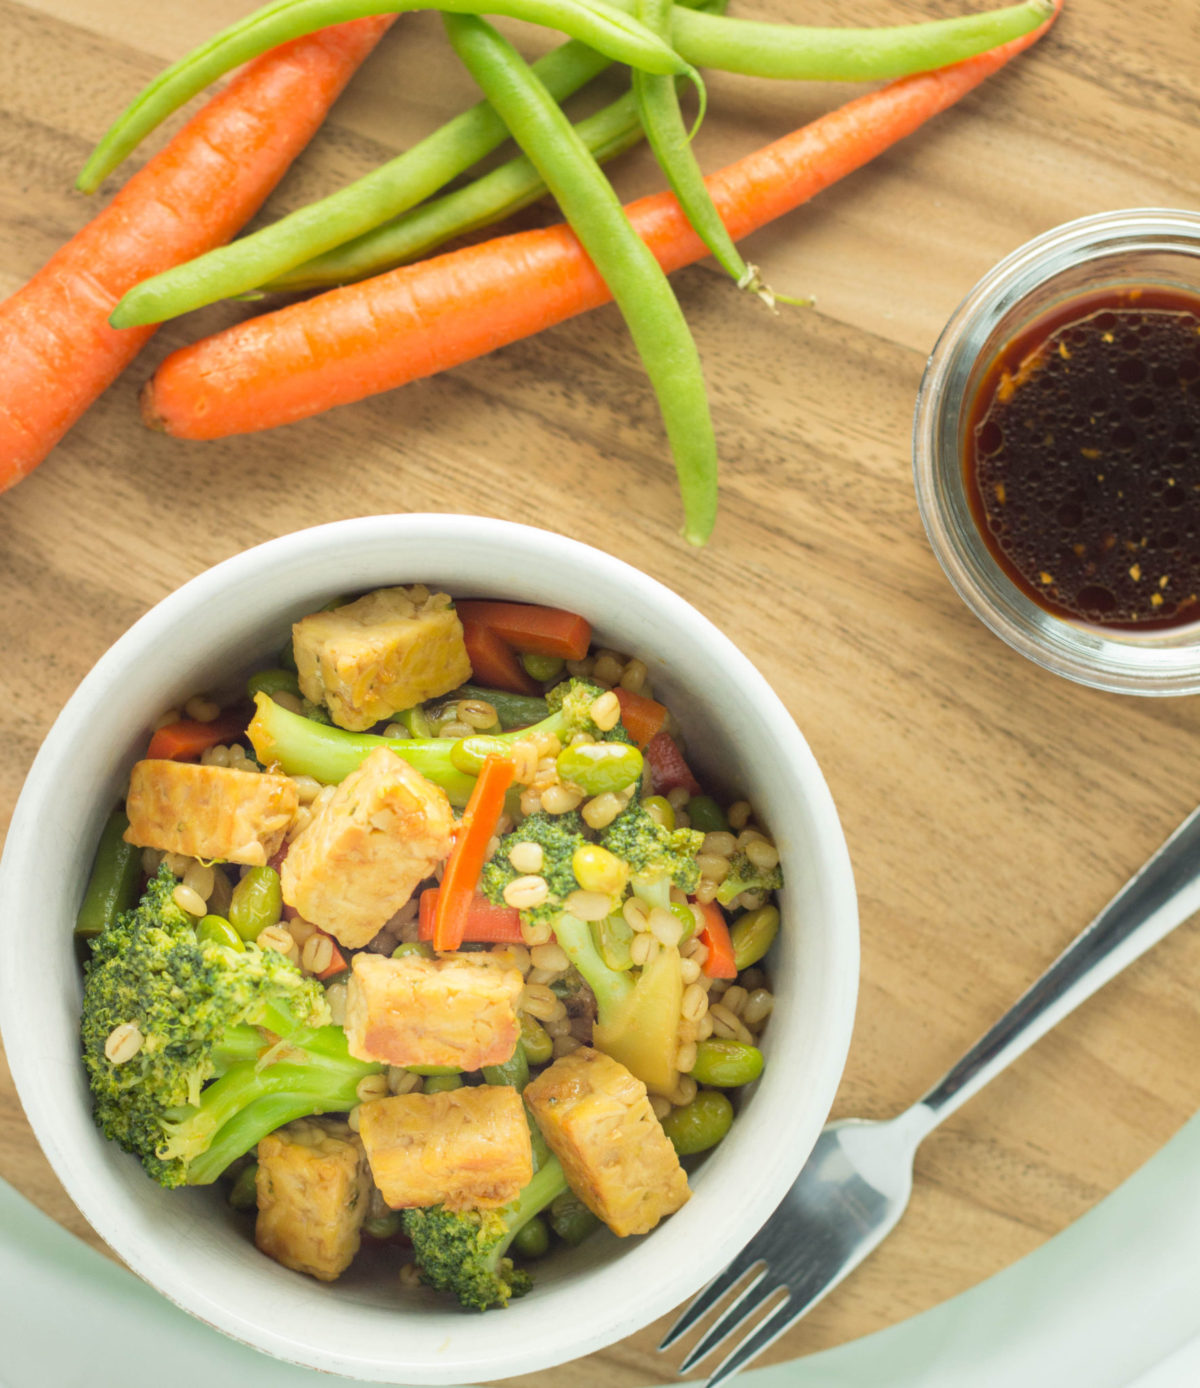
(661, 809)
(420, 947)
(243, 1194)
(598, 870)
(440, 1084)
(383, 1226)
(432, 1071)
(596, 767)
(536, 1041)
(532, 1240)
(469, 753)
(257, 902)
(542, 667)
(726, 1063)
(272, 682)
(751, 935)
(705, 814)
(218, 931)
(697, 1126)
(514, 1071)
(571, 1219)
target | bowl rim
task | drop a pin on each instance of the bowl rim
(352, 539)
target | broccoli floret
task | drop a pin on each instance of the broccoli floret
(558, 836)
(573, 699)
(233, 1043)
(658, 858)
(464, 1251)
(745, 877)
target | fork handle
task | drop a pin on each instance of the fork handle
(1162, 894)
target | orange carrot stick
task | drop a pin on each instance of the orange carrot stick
(420, 319)
(461, 873)
(642, 718)
(57, 351)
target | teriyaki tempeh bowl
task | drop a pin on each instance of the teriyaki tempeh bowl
(188, 1243)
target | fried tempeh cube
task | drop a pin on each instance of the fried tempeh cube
(356, 862)
(459, 1010)
(463, 1148)
(387, 651)
(209, 811)
(597, 1120)
(313, 1186)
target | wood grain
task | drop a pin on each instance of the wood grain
(990, 808)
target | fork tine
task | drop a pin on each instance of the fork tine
(773, 1326)
(732, 1318)
(706, 1299)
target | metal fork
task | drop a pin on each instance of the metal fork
(856, 1184)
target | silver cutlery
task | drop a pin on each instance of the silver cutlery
(858, 1180)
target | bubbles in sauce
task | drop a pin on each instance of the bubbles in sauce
(1083, 459)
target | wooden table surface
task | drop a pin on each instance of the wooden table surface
(990, 808)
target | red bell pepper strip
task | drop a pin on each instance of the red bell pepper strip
(668, 769)
(463, 866)
(642, 718)
(715, 934)
(530, 627)
(486, 924)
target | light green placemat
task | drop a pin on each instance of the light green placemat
(1112, 1298)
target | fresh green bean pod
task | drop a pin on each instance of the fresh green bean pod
(597, 23)
(113, 882)
(513, 710)
(633, 276)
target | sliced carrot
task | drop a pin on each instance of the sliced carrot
(493, 661)
(423, 318)
(486, 924)
(338, 963)
(185, 740)
(529, 627)
(668, 767)
(461, 874)
(57, 351)
(641, 718)
(715, 934)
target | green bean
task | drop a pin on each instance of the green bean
(513, 710)
(532, 1240)
(571, 1219)
(751, 935)
(113, 882)
(257, 902)
(513, 1072)
(536, 1041)
(243, 1193)
(705, 814)
(272, 682)
(597, 23)
(596, 767)
(440, 1084)
(699, 1125)
(726, 1063)
(414, 722)
(218, 931)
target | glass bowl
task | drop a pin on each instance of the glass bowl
(1140, 246)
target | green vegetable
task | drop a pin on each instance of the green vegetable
(513, 710)
(726, 1063)
(532, 1240)
(619, 134)
(113, 883)
(699, 1125)
(536, 1041)
(705, 814)
(273, 682)
(745, 877)
(465, 1252)
(217, 930)
(420, 947)
(243, 1193)
(658, 858)
(632, 274)
(596, 767)
(257, 902)
(571, 1219)
(597, 23)
(514, 1071)
(383, 1226)
(440, 1084)
(202, 1088)
(752, 934)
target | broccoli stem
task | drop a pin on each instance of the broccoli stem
(247, 1128)
(302, 747)
(547, 1185)
(611, 987)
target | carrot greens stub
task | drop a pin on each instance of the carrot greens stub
(633, 276)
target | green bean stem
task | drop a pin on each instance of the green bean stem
(386, 192)
(598, 23)
(658, 106)
(634, 278)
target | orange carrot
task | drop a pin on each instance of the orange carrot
(485, 923)
(715, 934)
(529, 627)
(412, 322)
(493, 661)
(57, 351)
(186, 739)
(642, 718)
(338, 962)
(467, 857)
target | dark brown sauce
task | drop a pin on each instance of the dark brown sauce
(1083, 459)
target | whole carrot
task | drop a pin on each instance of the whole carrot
(412, 322)
(57, 350)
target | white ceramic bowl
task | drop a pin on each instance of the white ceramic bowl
(186, 1243)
